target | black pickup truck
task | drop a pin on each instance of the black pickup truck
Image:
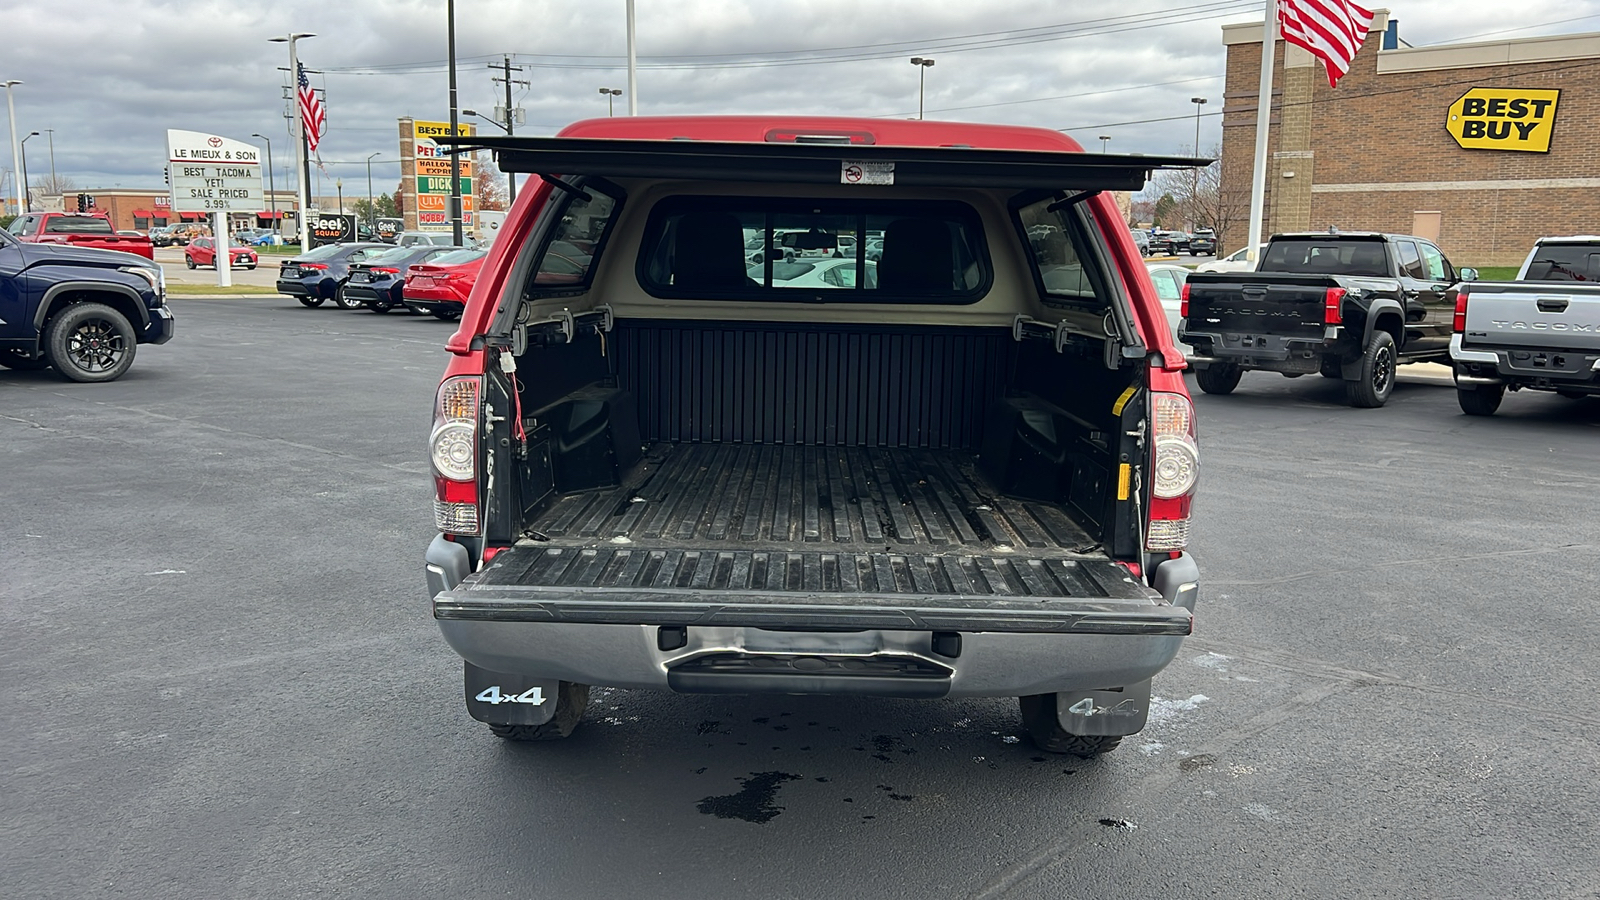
(1348, 305)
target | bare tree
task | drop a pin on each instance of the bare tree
(53, 184)
(1199, 196)
(488, 182)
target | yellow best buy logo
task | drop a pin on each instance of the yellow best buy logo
(1504, 119)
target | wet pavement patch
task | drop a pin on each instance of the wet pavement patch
(1197, 762)
(753, 803)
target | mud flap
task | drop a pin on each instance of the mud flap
(1110, 713)
(502, 699)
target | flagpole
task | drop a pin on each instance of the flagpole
(1258, 179)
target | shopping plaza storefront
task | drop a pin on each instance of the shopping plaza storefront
(1483, 147)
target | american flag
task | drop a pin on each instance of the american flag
(1331, 30)
(312, 116)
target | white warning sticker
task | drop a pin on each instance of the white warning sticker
(857, 172)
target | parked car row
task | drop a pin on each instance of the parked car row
(422, 277)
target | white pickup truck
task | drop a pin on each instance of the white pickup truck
(1540, 332)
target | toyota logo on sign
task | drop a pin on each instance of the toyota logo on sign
(215, 141)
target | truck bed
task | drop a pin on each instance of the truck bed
(797, 536)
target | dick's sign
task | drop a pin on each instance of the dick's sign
(1504, 119)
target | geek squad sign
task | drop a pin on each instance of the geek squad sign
(1504, 119)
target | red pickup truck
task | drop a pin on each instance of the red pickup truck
(79, 230)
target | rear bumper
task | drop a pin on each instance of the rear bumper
(1260, 351)
(367, 294)
(432, 305)
(295, 288)
(1528, 367)
(731, 647)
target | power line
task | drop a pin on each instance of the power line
(1469, 37)
(958, 44)
(1131, 87)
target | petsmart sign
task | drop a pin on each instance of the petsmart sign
(1504, 119)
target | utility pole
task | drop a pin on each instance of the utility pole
(55, 186)
(455, 157)
(511, 177)
(299, 130)
(633, 67)
(372, 209)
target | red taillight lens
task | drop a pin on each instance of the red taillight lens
(1459, 326)
(1331, 301)
(1183, 301)
(318, 266)
(453, 450)
(1175, 465)
(385, 270)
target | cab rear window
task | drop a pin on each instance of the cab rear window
(76, 225)
(1564, 262)
(829, 251)
(1310, 256)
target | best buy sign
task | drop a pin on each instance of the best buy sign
(1504, 119)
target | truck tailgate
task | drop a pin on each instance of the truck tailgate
(1258, 303)
(1531, 314)
(811, 538)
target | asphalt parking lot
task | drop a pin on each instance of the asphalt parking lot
(223, 681)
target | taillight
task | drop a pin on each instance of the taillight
(1331, 314)
(318, 266)
(385, 270)
(1176, 469)
(1183, 301)
(453, 450)
(1459, 326)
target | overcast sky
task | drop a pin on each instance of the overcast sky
(110, 76)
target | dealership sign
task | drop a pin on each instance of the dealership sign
(1504, 119)
(210, 173)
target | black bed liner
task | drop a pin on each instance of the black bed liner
(726, 534)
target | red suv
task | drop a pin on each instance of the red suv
(961, 468)
(202, 251)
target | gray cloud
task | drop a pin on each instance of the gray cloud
(110, 76)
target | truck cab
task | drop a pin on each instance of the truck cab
(962, 468)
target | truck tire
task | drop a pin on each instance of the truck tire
(1376, 382)
(1480, 399)
(1219, 379)
(309, 301)
(1039, 718)
(13, 359)
(90, 342)
(571, 700)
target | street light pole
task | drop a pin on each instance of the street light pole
(27, 191)
(922, 79)
(272, 190)
(1198, 102)
(611, 95)
(50, 135)
(301, 165)
(16, 146)
(1103, 139)
(455, 130)
(372, 210)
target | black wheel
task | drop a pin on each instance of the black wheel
(380, 306)
(1039, 718)
(188, 262)
(1331, 367)
(1480, 399)
(343, 301)
(447, 315)
(13, 359)
(309, 301)
(1219, 378)
(571, 699)
(1372, 389)
(90, 342)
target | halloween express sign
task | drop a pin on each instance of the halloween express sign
(1504, 119)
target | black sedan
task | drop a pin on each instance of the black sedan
(377, 282)
(319, 274)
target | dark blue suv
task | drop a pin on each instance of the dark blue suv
(79, 310)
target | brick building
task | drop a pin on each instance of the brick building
(1377, 153)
